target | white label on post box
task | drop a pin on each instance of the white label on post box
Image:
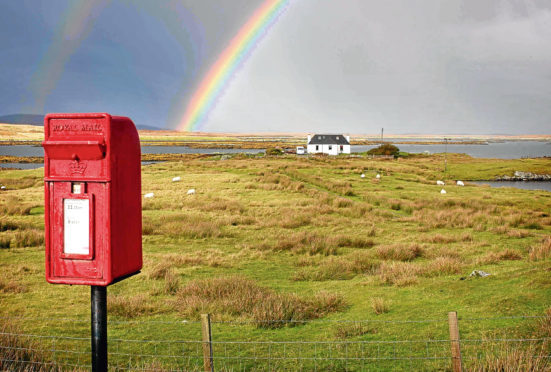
(76, 226)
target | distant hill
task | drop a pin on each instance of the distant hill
(31, 119)
(34, 119)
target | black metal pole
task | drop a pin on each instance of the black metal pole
(99, 328)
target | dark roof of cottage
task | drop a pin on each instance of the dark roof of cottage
(328, 139)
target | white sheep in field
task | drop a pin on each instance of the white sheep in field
(443, 191)
(176, 179)
(378, 176)
(440, 183)
(191, 192)
(149, 195)
(363, 175)
(460, 183)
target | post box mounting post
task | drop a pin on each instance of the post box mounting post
(99, 328)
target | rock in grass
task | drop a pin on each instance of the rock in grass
(479, 274)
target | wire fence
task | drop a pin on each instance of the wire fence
(341, 345)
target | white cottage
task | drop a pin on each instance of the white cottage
(331, 144)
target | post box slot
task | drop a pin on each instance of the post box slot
(75, 150)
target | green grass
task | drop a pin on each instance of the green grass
(308, 239)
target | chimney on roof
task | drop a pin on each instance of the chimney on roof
(348, 139)
(309, 138)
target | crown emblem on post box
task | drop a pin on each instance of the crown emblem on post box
(77, 167)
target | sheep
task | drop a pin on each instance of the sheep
(443, 191)
(378, 176)
(149, 195)
(460, 183)
(363, 175)
(176, 179)
(3, 187)
(191, 192)
(440, 183)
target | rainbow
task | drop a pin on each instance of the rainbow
(219, 75)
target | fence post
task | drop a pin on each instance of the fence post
(208, 363)
(457, 363)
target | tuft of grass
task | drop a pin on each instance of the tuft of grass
(447, 239)
(11, 286)
(172, 283)
(493, 257)
(160, 270)
(399, 273)
(541, 251)
(342, 203)
(509, 358)
(6, 224)
(22, 353)
(355, 329)
(379, 305)
(353, 241)
(306, 242)
(130, 306)
(399, 252)
(339, 268)
(443, 266)
(238, 296)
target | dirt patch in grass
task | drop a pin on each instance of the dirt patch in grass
(240, 297)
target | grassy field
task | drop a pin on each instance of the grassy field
(305, 239)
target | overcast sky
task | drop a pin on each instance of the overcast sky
(355, 66)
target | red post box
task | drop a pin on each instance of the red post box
(93, 207)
